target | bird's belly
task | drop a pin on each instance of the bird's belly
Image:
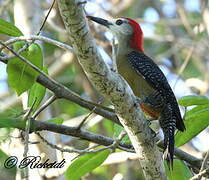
(139, 86)
(135, 81)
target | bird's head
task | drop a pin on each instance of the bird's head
(123, 27)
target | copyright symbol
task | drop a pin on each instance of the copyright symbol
(10, 162)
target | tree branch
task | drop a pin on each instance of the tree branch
(201, 174)
(41, 38)
(63, 92)
(74, 131)
(37, 125)
(113, 87)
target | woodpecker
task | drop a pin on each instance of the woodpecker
(145, 78)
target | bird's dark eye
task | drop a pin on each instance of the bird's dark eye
(119, 22)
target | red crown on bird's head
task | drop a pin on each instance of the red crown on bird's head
(137, 37)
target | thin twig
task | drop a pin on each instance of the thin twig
(29, 43)
(43, 75)
(85, 118)
(205, 161)
(88, 115)
(81, 152)
(184, 19)
(46, 17)
(112, 146)
(204, 15)
(62, 92)
(6, 58)
(97, 138)
(40, 38)
(198, 176)
(44, 106)
(22, 58)
(27, 128)
(59, 148)
(185, 63)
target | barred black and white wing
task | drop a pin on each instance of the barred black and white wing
(146, 68)
(170, 117)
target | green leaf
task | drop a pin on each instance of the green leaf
(56, 120)
(117, 131)
(21, 76)
(5, 134)
(193, 100)
(180, 171)
(36, 93)
(85, 164)
(7, 173)
(109, 127)
(196, 120)
(9, 122)
(197, 109)
(9, 29)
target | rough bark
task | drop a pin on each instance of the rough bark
(113, 87)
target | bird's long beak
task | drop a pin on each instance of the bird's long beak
(100, 21)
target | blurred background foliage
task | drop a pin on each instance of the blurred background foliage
(176, 37)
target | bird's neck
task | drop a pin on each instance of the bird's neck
(124, 47)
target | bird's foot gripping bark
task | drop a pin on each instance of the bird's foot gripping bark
(139, 100)
(152, 105)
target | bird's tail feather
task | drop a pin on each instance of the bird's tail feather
(169, 146)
